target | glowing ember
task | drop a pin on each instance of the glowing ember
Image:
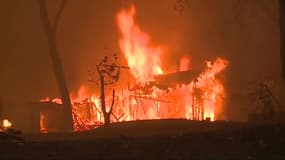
(6, 123)
(196, 98)
(42, 123)
(46, 99)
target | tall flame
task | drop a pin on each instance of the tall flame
(198, 98)
(143, 59)
(213, 89)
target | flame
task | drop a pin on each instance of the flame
(43, 128)
(54, 100)
(143, 59)
(81, 94)
(198, 99)
(214, 90)
(6, 123)
(45, 99)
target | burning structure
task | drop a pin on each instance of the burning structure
(156, 94)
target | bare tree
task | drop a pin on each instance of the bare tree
(109, 74)
(261, 93)
(50, 30)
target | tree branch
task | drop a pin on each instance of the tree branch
(113, 101)
(44, 16)
(58, 15)
(98, 70)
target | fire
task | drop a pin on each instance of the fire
(6, 123)
(197, 97)
(184, 63)
(143, 59)
(54, 100)
(42, 123)
(212, 89)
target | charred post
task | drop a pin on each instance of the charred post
(106, 114)
(109, 72)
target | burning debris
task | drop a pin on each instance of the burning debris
(9, 134)
(190, 94)
(5, 124)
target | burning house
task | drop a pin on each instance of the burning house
(156, 94)
(46, 116)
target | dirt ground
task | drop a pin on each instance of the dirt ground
(157, 139)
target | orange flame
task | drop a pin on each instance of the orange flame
(43, 128)
(6, 123)
(198, 99)
(143, 59)
(184, 63)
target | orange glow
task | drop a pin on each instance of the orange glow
(46, 99)
(57, 100)
(199, 98)
(6, 123)
(185, 64)
(42, 123)
(143, 58)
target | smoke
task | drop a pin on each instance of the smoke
(245, 34)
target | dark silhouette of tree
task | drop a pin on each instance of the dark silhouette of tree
(109, 74)
(50, 30)
(261, 92)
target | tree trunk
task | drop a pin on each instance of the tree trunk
(103, 104)
(67, 123)
(107, 120)
(282, 37)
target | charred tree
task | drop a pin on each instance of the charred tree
(50, 30)
(282, 37)
(106, 71)
(109, 74)
(106, 114)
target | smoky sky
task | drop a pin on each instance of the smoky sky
(245, 33)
